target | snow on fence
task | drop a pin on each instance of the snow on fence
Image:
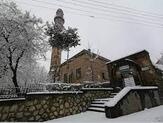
(49, 88)
(12, 92)
(6, 93)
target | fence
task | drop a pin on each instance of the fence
(12, 92)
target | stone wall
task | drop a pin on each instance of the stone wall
(135, 100)
(47, 106)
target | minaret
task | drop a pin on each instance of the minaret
(56, 52)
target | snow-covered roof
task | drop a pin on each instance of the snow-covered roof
(123, 92)
(128, 56)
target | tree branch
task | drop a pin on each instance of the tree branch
(10, 59)
(17, 61)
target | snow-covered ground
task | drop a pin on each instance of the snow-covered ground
(152, 115)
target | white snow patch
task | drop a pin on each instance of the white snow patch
(159, 66)
(61, 83)
(1, 100)
(123, 92)
(152, 115)
(97, 88)
(56, 92)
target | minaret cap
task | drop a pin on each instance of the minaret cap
(59, 14)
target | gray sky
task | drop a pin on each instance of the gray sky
(114, 37)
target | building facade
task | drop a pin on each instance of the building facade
(135, 69)
(84, 66)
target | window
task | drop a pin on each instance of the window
(71, 78)
(103, 76)
(78, 73)
(65, 77)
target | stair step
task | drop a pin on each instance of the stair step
(112, 96)
(95, 102)
(96, 109)
(98, 105)
(114, 93)
(103, 99)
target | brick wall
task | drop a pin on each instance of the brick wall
(84, 62)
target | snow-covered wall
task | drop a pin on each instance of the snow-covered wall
(46, 106)
(132, 99)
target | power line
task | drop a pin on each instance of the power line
(113, 11)
(147, 21)
(104, 10)
(92, 16)
(108, 10)
(77, 9)
(122, 8)
(146, 12)
(49, 8)
(104, 18)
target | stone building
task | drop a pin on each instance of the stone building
(159, 70)
(135, 69)
(84, 66)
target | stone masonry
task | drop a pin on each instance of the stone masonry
(47, 106)
(135, 100)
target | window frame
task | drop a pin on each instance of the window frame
(78, 73)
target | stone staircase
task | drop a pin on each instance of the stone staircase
(98, 105)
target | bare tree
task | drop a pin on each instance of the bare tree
(32, 73)
(21, 39)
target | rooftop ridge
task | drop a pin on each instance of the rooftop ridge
(81, 53)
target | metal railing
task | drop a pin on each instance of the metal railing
(12, 92)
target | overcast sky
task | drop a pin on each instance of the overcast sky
(114, 34)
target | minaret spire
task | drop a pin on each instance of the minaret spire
(56, 52)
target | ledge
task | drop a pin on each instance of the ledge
(55, 92)
(124, 92)
(12, 99)
(97, 89)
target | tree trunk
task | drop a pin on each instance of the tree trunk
(14, 80)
